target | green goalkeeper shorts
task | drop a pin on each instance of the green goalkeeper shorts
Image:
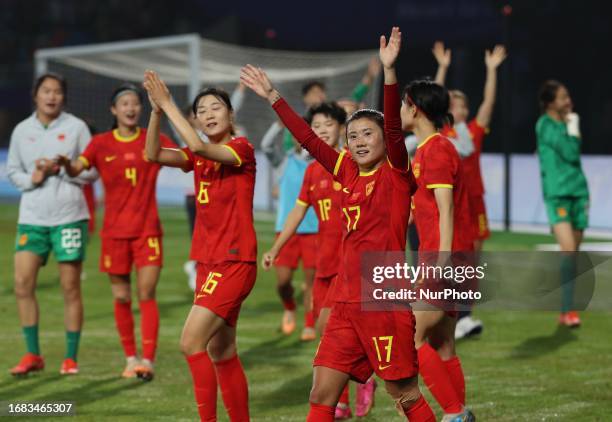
(67, 241)
(574, 210)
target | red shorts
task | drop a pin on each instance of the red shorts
(223, 287)
(320, 291)
(360, 342)
(478, 216)
(118, 255)
(302, 246)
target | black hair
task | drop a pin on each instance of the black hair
(431, 99)
(548, 93)
(117, 93)
(312, 84)
(125, 87)
(367, 113)
(219, 93)
(330, 109)
(51, 75)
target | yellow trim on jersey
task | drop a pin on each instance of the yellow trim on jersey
(427, 140)
(300, 202)
(368, 173)
(439, 185)
(338, 162)
(185, 156)
(235, 154)
(120, 138)
(84, 161)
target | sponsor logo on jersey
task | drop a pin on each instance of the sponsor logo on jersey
(110, 158)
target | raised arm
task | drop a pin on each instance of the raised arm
(257, 80)
(362, 88)
(492, 61)
(170, 157)
(396, 149)
(443, 57)
(159, 93)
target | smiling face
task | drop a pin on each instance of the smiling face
(127, 109)
(49, 98)
(213, 116)
(366, 143)
(326, 128)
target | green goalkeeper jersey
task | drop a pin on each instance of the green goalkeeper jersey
(559, 154)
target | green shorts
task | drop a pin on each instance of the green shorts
(571, 209)
(66, 240)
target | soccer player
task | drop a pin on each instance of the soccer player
(442, 217)
(291, 162)
(379, 183)
(131, 233)
(324, 195)
(564, 185)
(224, 242)
(52, 215)
(472, 131)
(290, 167)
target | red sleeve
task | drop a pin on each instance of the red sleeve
(441, 165)
(478, 133)
(242, 150)
(88, 157)
(166, 142)
(190, 159)
(394, 139)
(304, 196)
(323, 153)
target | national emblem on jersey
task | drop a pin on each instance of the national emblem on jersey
(370, 187)
(417, 170)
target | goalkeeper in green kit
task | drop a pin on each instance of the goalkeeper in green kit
(564, 185)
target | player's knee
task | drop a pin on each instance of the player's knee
(24, 286)
(405, 398)
(219, 352)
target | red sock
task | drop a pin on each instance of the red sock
(309, 319)
(204, 385)
(320, 413)
(125, 326)
(289, 304)
(434, 373)
(420, 412)
(455, 372)
(344, 397)
(234, 388)
(149, 327)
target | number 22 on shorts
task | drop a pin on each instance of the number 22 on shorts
(378, 342)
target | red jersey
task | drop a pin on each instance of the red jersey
(324, 194)
(223, 229)
(471, 163)
(130, 203)
(437, 165)
(375, 205)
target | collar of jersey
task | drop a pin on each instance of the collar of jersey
(427, 139)
(368, 173)
(126, 138)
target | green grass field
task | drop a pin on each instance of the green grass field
(523, 368)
